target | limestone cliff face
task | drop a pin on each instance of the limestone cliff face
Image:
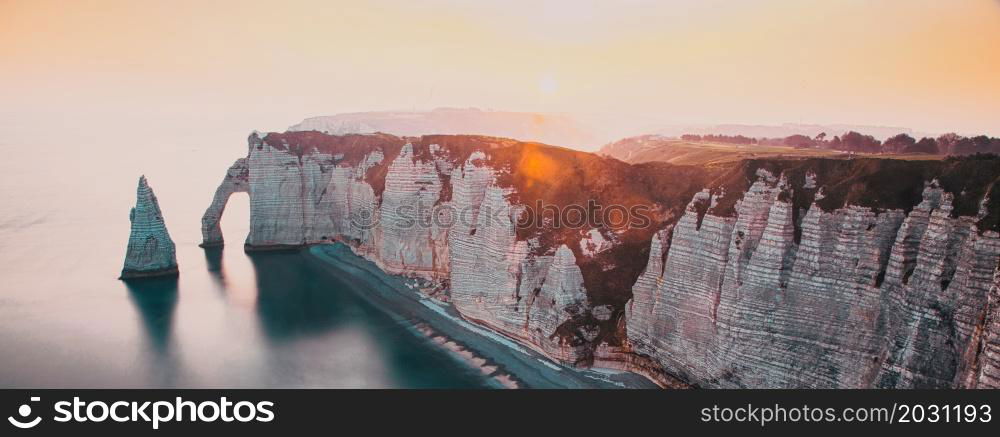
(985, 372)
(431, 213)
(408, 239)
(773, 274)
(150, 250)
(866, 298)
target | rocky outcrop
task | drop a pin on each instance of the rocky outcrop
(498, 281)
(150, 250)
(409, 240)
(985, 371)
(237, 180)
(866, 298)
(800, 273)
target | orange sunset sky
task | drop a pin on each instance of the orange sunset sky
(930, 65)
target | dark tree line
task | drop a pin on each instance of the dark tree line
(947, 144)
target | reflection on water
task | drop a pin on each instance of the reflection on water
(155, 300)
(213, 261)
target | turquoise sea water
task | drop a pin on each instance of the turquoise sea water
(285, 325)
(231, 319)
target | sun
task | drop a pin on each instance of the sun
(547, 84)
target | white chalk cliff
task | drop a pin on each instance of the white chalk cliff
(866, 299)
(770, 290)
(150, 251)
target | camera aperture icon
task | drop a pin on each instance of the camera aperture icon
(24, 411)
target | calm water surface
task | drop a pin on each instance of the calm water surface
(230, 320)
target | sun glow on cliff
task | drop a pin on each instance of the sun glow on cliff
(536, 166)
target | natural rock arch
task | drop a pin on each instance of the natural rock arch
(237, 180)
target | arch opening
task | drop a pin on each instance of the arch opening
(236, 181)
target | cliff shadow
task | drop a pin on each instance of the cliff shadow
(294, 299)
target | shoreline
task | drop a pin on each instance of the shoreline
(507, 361)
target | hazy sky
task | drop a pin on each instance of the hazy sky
(932, 65)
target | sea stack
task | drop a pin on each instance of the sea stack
(150, 252)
